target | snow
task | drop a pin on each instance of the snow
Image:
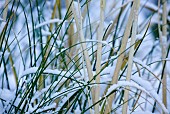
(2, 25)
(68, 93)
(62, 50)
(40, 110)
(30, 71)
(142, 112)
(49, 21)
(77, 110)
(103, 42)
(147, 85)
(164, 41)
(6, 94)
(64, 92)
(149, 5)
(45, 33)
(6, 54)
(39, 93)
(142, 64)
(144, 87)
(46, 108)
(139, 36)
(124, 83)
(143, 83)
(1, 54)
(33, 70)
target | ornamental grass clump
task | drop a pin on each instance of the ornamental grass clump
(84, 56)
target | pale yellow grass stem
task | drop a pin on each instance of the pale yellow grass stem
(99, 55)
(78, 20)
(120, 58)
(130, 60)
(164, 50)
(8, 48)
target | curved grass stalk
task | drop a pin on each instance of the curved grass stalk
(164, 51)
(122, 48)
(41, 79)
(5, 10)
(72, 38)
(8, 48)
(99, 52)
(78, 20)
(130, 60)
(163, 38)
